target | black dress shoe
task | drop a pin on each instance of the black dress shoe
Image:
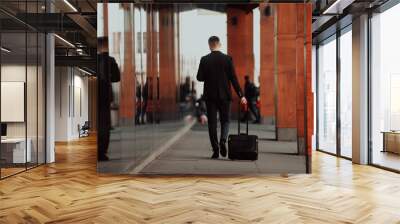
(215, 155)
(222, 149)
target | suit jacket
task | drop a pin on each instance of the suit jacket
(217, 72)
(107, 72)
(250, 91)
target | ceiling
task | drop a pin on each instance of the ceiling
(74, 22)
(337, 14)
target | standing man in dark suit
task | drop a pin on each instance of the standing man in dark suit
(217, 72)
(107, 73)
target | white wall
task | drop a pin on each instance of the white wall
(14, 73)
(71, 102)
(314, 90)
(80, 112)
(33, 106)
(17, 73)
(62, 81)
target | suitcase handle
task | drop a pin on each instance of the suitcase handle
(247, 119)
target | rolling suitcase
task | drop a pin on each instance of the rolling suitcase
(243, 146)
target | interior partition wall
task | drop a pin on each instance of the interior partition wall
(334, 94)
(22, 77)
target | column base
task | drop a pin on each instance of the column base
(268, 120)
(287, 134)
(301, 148)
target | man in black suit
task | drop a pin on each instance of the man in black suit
(107, 72)
(217, 72)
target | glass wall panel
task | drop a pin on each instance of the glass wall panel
(385, 89)
(327, 96)
(31, 98)
(145, 130)
(22, 88)
(346, 93)
(158, 116)
(15, 149)
(41, 107)
(116, 86)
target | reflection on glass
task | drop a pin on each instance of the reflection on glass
(385, 89)
(346, 94)
(22, 90)
(155, 49)
(41, 79)
(32, 101)
(15, 147)
(327, 96)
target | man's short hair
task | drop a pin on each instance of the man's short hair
(102, 41)
(213, 40)
(246, 77)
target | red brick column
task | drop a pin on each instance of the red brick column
(127, 84)
(304, 82)
(152, 64)
(267, 80)
(290, 68)
(168, 69)
(310, 96)
(286, 34)
(240, 44)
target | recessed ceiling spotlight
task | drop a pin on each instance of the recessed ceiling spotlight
(337, 7)
(5, 49)
(64, 40)
(85, 72)
(70, 5)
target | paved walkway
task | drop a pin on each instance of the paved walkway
(129, 146)
(191, 155)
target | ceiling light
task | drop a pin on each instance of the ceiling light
(79, 51)
(70, 5)
(5, 50)
(337, 7)
(84, 71)
(65, 41)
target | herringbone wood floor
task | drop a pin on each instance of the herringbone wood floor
(70, 191)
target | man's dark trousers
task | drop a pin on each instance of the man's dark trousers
(217, 72)
(223, 107)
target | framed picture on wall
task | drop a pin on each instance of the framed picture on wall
(12, 101)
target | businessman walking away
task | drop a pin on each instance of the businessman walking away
(217, 72)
